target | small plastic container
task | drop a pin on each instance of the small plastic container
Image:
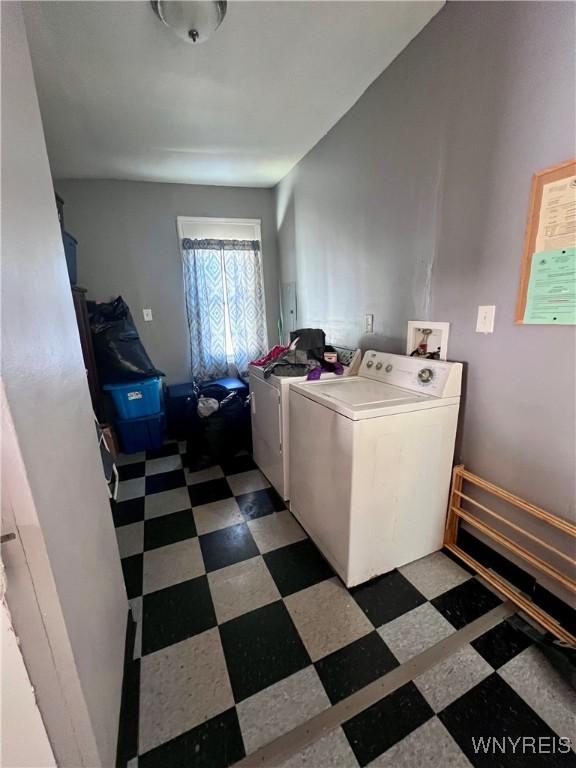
(137, 398)
(143, 434)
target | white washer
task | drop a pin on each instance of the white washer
(370, 461)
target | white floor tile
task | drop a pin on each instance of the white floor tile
(203, 475)
(449, 679)
(164, 464)
(131, 489)
(415, 631)
(172, 564)
(276, 530)
(535, 680)
(217, 515)
(247, 482)
(327, 617)
(182, 686)
(435, 574)
(281, 707)
(166, 502)
(241, 587)
(429, 746)
(331, 751)
(130, 539)
(136, 606)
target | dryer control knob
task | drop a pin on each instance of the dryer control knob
(388, 368)
(425, 375)
(378, 366)
(370, 363)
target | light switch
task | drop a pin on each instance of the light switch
(147, 314)
(485, 320)
(369, 323)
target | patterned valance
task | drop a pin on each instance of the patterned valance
(220, 245)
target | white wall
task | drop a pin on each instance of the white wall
(24, 739)
(128, 245)
(66, 512)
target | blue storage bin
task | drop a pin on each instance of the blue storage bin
(141, 434)
(136, 399)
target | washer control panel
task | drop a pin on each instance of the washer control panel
(435, 377)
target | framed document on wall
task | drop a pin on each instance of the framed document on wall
(547, 290)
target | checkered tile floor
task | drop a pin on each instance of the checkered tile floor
(244, 632)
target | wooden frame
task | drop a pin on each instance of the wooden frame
(456, 513)
(539, 179)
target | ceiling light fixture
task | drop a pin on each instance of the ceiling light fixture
(193, 21)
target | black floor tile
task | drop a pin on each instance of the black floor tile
(176, 613)
(242, 463)
(212, 490)
(227, 546)
(129, 714)
(167, 529)
(498, 563)
(558, 609)
(260, 503)
(261, 647)
(387, 597)
(465, 603)
(126, 512)
(168, 449)
(387, 722)
(217, 743)
(131, 471)
(165, 481)
(297, 566)
(458, 561)
(354, 666)
(492, 708)
(132, 570)
(500, 644)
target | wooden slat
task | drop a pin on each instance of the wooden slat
(526, 605)
(510, 545)
(516, 501)
(452, 521)
(518, 528)
(456, 513)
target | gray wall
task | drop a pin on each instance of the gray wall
(52, 472)
(430, 172)
(128, 244)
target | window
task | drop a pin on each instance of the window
(224, 293)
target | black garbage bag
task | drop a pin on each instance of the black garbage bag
(221, 435)
(120, 355)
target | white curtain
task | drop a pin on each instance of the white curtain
(225, 305)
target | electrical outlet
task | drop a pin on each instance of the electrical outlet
(147, 315)
(369, 323)
(485, 319)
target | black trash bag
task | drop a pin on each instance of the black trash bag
(120, 355)
(221, 435)
(311, 340)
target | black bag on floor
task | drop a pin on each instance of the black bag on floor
(221, 435)
(120, 355)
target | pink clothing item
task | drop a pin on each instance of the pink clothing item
(275, 352)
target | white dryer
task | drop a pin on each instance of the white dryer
(270, 421)
(370, 461)
(270, 425)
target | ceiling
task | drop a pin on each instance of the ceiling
(123, 98)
